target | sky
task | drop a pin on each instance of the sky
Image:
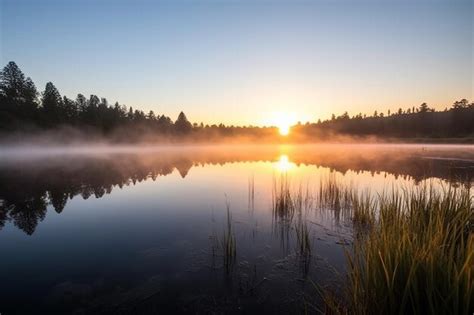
(247, 62)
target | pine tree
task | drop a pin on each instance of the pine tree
(51, 100)
(52, 105)
(12, 81)
(30, 93)
(424, 108)
(182, 125)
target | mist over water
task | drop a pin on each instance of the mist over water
(100, 228)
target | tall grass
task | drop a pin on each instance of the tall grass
(413, 247)
(251, 193)
(229, 245)
(303, 244)
(285, 203)
(335, 196)
(303, 238)
(363, 210)
(288, 203)
(283, 209)
(416, 255)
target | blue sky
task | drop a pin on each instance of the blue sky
(246, 62)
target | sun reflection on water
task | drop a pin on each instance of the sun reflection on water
(284, 164)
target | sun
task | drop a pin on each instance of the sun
(283, 121)
(284, 130)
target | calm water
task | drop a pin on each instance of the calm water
(141, 230)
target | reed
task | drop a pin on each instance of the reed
(334, 195)
(417, 257)
(363, 210)
(303, 244)
(303, 240)
(251, 193)
(285, 202)
(229, 244)
(413, 248)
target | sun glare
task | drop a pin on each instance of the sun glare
(284, 130)
(283, 164)
(283, 121)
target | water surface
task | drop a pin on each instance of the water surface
(122, 229)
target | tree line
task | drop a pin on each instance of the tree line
(23, 108)
(422, 122)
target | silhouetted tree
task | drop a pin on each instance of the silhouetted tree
(461, 104)
(19, 110)
(12, 81)
(81, 102)
(423, 108)
(30, 94)
(18, 98)
(52, 104)
(182, 125)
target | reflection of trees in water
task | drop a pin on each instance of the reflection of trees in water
(25, 206)
(27, 188)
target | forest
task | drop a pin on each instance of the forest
(25, 110)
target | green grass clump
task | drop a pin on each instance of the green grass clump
(417, 257)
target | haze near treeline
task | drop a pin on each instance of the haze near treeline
(24, 110)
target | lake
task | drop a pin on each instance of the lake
(189, 229)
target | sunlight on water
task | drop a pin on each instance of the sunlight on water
(158, 218)
(283, 164)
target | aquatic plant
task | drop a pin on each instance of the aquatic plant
(303, 238)
(363, 210)
(284, 201)
(303, 244)
(251, 193)
(334, 195)
(229, 245)
(417, 257)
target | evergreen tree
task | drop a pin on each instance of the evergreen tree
(81, 102)
(424, 108)
(461, 104)
(151, 116)
(30, 93)
(182, 125)
(12, 81)
(51, 103)
(70, 110)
